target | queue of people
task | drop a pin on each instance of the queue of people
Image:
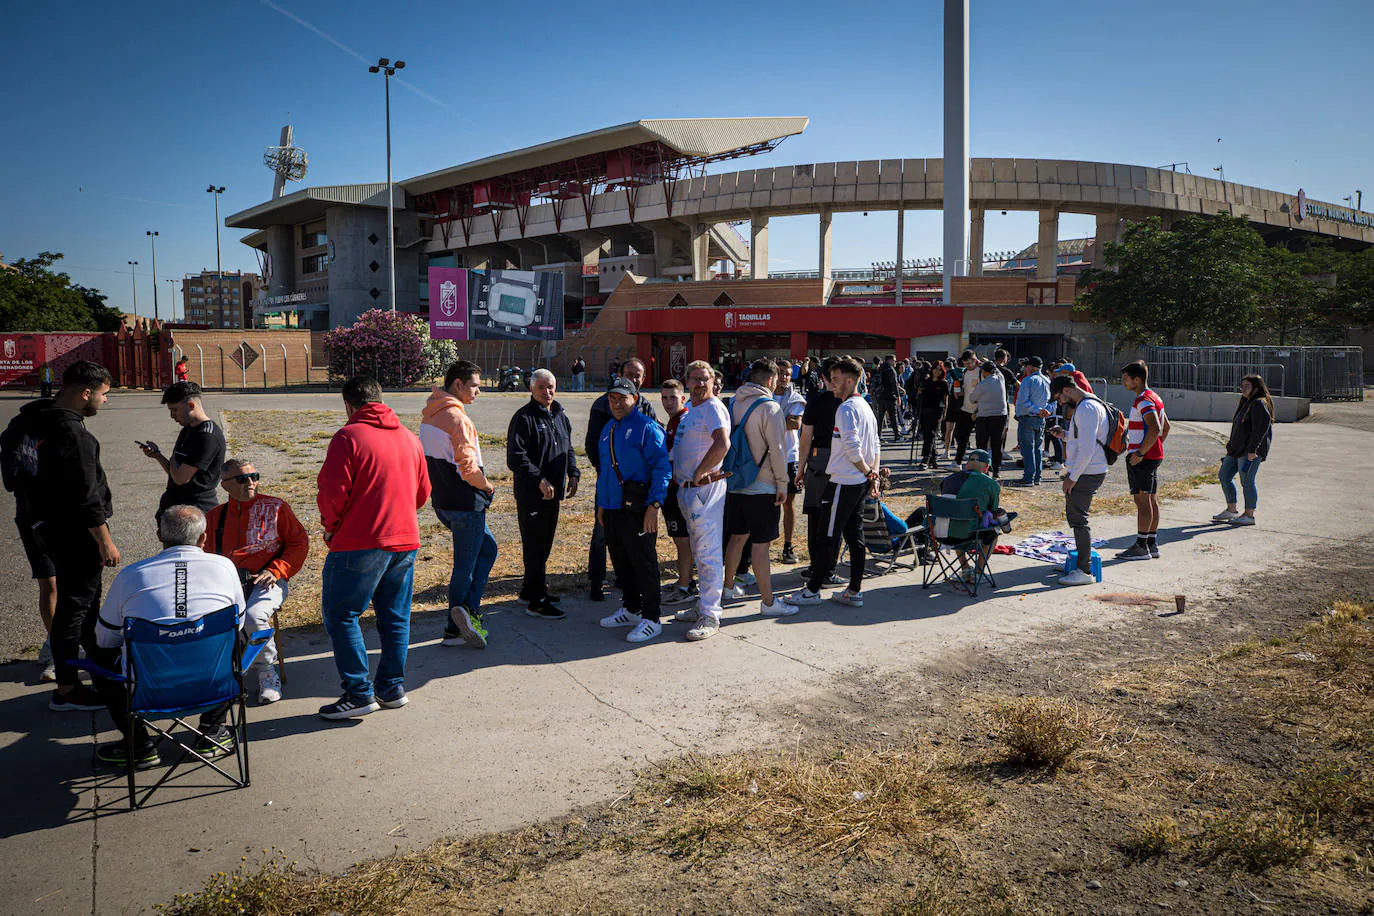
(721, 477)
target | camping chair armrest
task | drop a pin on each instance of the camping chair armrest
(98, 670)
(255, 643)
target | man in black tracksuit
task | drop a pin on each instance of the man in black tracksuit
(71, 505)
(539, 452)
(600, 415)
(884, 388)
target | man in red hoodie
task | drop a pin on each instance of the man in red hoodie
(373, 483)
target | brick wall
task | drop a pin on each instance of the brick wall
(222, 351)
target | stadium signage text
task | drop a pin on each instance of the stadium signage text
(281, 300)
(1339, 214)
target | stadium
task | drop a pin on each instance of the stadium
(664, 256)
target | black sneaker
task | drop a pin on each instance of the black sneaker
(1153, 548)
(113, 755)
(545, 611)
(348, 707)
(216, 743)
(597, 593)
(79, 699)
(1137, 551)
(552, 598)
(789, 555)
(394, 698)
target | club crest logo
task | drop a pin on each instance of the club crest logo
(9, 349)
(448, 298)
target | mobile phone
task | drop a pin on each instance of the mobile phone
(140, 444)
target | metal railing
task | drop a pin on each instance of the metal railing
(1318, 373)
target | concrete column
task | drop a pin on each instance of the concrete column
(619, 248)
(1108, 231)
(701, 345)
(956, 144)
(1046, 252)
(701, 252)
(975, 243)
(589, 250)
(758, 247)
(665, 236)
(901, 240)
(824, 256)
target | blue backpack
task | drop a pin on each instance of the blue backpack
(739, 461)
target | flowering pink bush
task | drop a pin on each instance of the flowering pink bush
(388, 346)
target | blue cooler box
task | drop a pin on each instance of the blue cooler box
(1072, 560)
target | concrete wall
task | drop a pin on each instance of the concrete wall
(351, 277)
(1207, 406)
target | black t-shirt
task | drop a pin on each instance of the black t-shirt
(203, 448)
(820, 416)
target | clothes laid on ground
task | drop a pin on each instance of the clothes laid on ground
(202, 447)
(1050, 547)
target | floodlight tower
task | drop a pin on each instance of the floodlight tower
(152, 240)
(388, 70)
(956, 144)
(134, 279)
(217, 190)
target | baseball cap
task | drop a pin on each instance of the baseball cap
(624, 386)
(1035, 361)
(1067, 367)
(980, 455)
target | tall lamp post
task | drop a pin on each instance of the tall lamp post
(388, 70)
(219, 272)
(152, 240)
(134, 278)
(172, 311)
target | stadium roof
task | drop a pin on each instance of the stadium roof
(311, 202)
(696, 138)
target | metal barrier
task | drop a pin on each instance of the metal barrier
(1318, 373)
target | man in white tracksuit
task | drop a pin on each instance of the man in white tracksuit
(699, 447)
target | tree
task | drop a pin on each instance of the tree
(385, 345)
(1204, 278)
(106, 318)
(1354, 294)
(1297, 300)
(35, 298)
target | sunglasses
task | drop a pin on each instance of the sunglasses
(244, 478)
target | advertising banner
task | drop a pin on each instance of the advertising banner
(448, 303)
(514, 304)
(22, 355)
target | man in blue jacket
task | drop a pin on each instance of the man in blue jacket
(630, 489)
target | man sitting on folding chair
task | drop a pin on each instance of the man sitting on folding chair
(973, 482)
(179, 584)
(264, 539)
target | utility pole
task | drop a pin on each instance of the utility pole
(172, 311)
(388, 70)
(956, 145)
(152, 240)
(219, 271)
(134, 278)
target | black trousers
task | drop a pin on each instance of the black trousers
(931, 424)
(538, 524)
(634, 555)
(963, 427)
(76, 558)
(990, 432)
(887, 410)
(596, 555)
(1054, 446)
(117, 700)
(841, 515)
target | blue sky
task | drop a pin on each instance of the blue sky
(119, 115)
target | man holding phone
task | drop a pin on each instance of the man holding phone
(193, 470)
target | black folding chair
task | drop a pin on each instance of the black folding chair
(949, 554)
(884, 544)
(175, 669)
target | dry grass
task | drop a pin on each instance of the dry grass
(1155, 837)
(1043, 733)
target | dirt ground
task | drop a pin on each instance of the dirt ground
(1222, 765)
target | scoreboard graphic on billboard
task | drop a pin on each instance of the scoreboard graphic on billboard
(515, 305)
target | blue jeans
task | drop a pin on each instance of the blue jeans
(353, 579)
(1247, 470)
(474, 552)
(1030, 436)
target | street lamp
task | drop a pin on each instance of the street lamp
(219, 272)
(172, 312)
(134, 278)
(1221, 169)
(152, 240)
(388, 70)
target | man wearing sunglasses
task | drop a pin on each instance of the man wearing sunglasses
(268, 545)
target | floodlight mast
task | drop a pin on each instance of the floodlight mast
(388, 70)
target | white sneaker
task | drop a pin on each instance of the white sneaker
(269, 685)
(687, 614)
(1242, 520)
(645, 631)
(805, 597)
(779, 608)
(852, 599)
(1076, 577)
(49, 674)
(706, 628)
(621, 618)
(746, 579)
(733, 593)
(1225, 515)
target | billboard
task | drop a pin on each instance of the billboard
(448, 303)
(514, 305)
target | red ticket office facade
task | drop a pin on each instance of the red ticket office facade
(665, 337)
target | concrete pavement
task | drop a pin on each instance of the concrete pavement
(559, 714)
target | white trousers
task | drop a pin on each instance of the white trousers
(262, 604)
(704, 510)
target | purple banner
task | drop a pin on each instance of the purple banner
(448, 303)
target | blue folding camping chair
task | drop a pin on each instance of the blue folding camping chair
(175, 669)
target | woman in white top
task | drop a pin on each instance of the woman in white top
(989, 400)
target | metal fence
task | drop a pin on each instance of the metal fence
(1318, 373)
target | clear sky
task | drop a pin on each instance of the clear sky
(117, 116)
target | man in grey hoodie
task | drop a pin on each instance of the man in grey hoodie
(752, 512)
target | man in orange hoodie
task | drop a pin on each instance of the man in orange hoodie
(462, 494)
(372, 485)
(267, 545)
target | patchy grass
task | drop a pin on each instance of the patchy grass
(1216, 766)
